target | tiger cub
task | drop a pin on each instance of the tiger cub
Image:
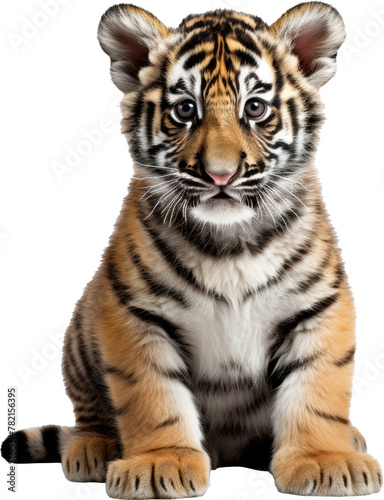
(219, 328)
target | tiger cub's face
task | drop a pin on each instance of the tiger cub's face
(222, 109)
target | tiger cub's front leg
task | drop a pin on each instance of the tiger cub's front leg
(317, 451)
(158, 423)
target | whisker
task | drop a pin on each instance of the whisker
(266, 206)
(165, 195)
(279, 212)
(156, 190)
(169, 206)
(290, 192)
(283, 200)
(153, 166)
(291, 180)
(175, 204)
(152, 177)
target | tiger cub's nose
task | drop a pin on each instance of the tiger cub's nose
(221, 180)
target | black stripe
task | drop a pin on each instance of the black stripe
(14, 449)
(261, 87)
(270, 118)
(278, 376)
(247, 41)
(153, 483)
(328, 416)
(292, 108)
(314, 278)
(83, 409)
(309, 103)
(347, 358)
(167, 423)
(304, 286)
(194, 26)
(155, 286)
(258, 400)
(169, 328)
(88, 419)
(279, 78)
(211, 66)
(190, 183)
(287, 265)
(153, 150)
(190, 44)
(181, 376)
(233, 87)
(340, 276)
(288, 325)
(194, 59)
(105, 429)
(245, 58)
(128, 377)
(50, 435)
(311, 123)
(282, 145)
(83, 399)
(89, 369)
(149, 120)
(121, 290)
(93, 372)
(82, 384)
(205, 86)
(177, 266)
(162, 483)
(263, 240)
(285, 327)
(207, 241)
(251, 182)
(178, 88)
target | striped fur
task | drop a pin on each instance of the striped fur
(219, 328)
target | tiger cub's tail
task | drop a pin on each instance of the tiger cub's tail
(36, 444)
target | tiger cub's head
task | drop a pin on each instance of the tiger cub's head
(220, 111)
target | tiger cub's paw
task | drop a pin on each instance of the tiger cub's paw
(327, 474)
(85, 457)
(358, 440)
(166, 473)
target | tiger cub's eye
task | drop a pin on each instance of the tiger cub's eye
(255, 109)
(185, 110)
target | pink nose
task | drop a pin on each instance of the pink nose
(221, 180)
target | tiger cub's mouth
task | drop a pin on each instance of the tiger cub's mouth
(222, 196)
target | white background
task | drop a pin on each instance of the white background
(55, 85)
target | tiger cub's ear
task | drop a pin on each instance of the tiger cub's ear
(127, 34)
(314, 31)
